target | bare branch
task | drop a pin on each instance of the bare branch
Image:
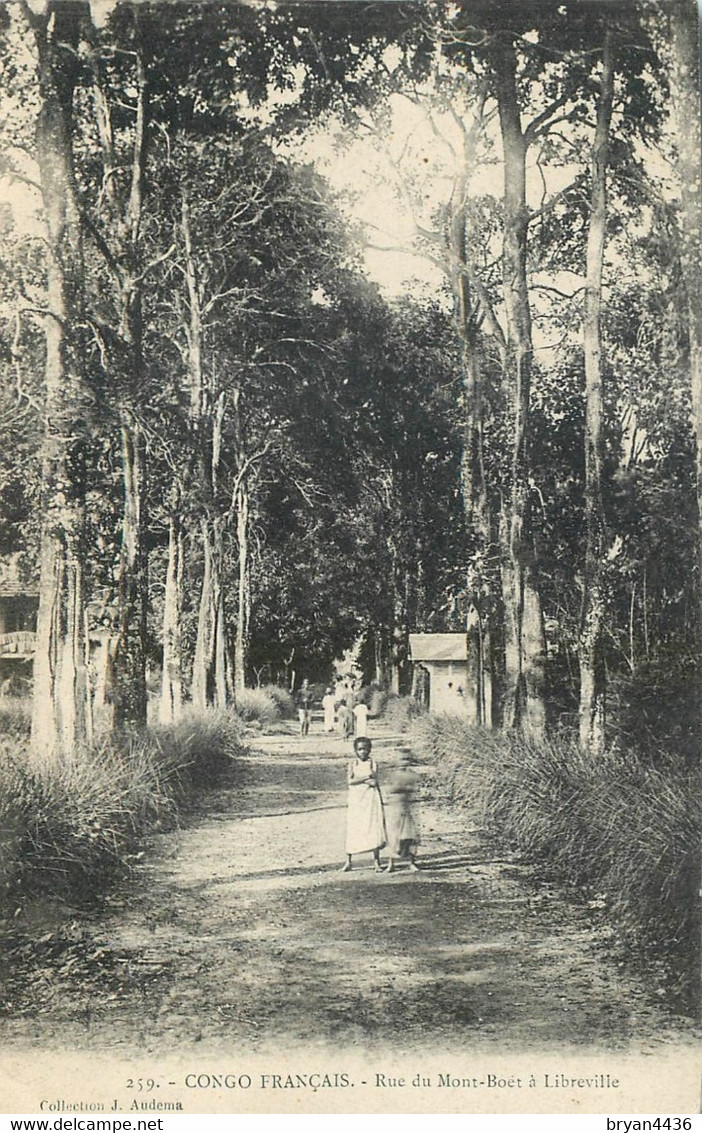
(134, 205)
(556, 291)
(154, 264)
(533, 128)
(16, 352)
(320, 55)
(102, 246)
(15, 175)
(550, 204)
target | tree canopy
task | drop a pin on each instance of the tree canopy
(245, 456)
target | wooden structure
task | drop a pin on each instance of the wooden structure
(19, 601)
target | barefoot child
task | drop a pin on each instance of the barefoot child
(365, 822)
(403, 826)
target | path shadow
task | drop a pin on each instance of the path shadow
(228, 815)
(265, 789)
(449, 860)
(242, 953)
(269, 874)
(373, 961)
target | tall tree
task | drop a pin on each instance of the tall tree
(115, 222)
(594, 611)
(525, 643)
(685, 26)
(61, 717)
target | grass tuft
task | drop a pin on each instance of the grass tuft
(257, 705)
(283, 700)
(71, 827)
(15, 715)
(400, 711)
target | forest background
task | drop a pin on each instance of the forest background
(228, 454)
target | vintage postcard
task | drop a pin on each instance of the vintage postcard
(350, 419)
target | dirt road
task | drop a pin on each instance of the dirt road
(239, 932)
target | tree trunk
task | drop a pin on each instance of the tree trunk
(128, 698)
(525, 642)
(209, 679)
(488, 683)
(474, 699)
(195, 368)
(380, 658)
(474, 488)
(399, 635)
(60, 718)
(243, 592)
(483, 667)
(129, 692)
(200, 691)
(396, 661)
(534, 656)
(513, 692)
(171, 706)
(221, 682)
(241, 507)
(594, 608)
(686, 102)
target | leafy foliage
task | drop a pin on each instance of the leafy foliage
(345, 412)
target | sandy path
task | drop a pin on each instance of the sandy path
(239, 932)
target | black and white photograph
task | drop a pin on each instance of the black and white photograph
(350, 557)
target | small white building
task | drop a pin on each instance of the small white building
(445, 658)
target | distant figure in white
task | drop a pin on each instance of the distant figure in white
(365, 821)
(329, 705)
(360, 715)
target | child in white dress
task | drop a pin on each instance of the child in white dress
(365, 821)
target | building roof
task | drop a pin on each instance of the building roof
(438, 646)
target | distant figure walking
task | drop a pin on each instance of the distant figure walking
(365, 821)
(402, 822)
(329, 705)
(360, 714)
(304, 707)
(345, 717)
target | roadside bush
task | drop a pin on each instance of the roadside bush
(201, 748)
(15, 715)
(12, 809)
(400, 711)
(257, 705)
(283, 700)
(627, 833)
(71, 827)
(377, 700)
